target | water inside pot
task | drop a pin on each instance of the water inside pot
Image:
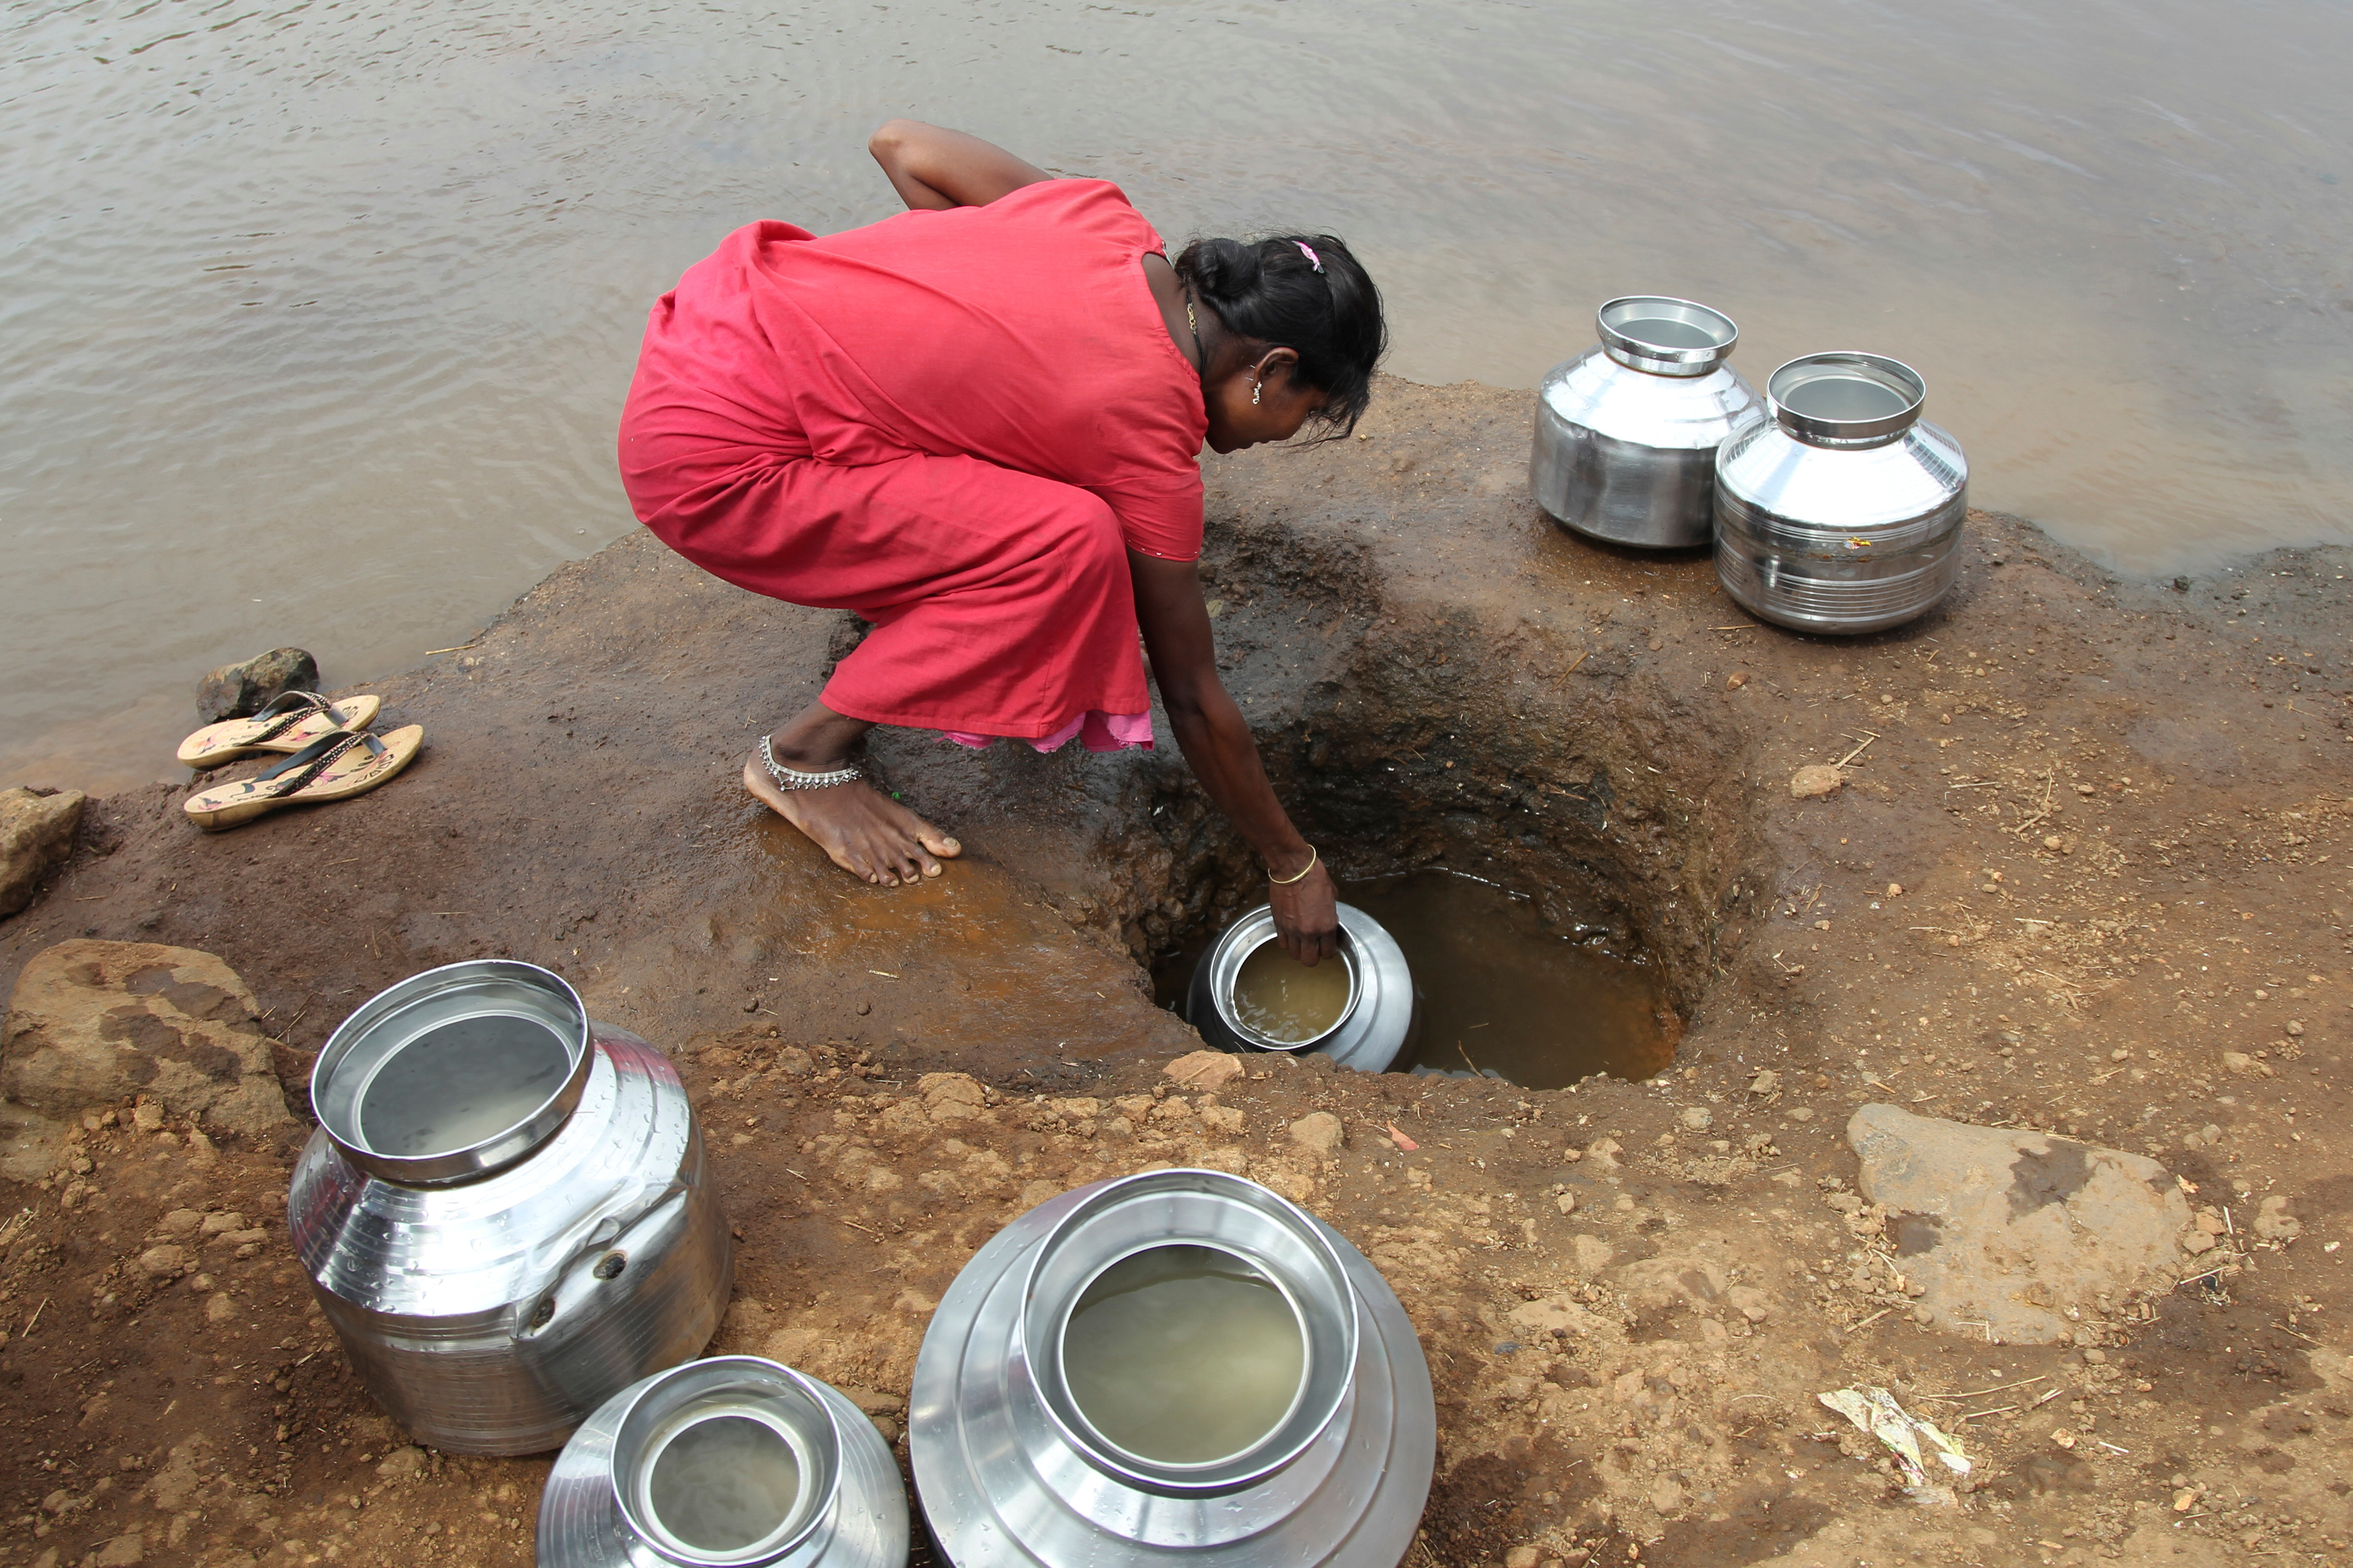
(1184, 1354)
(462, 1082)
(1667, 333)
(724, 1484)
(1290, 1003)
(1845, 398)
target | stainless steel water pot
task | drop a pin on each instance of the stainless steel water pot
(1626, 433)
(1373, 1031)
(1013, 1472)
(1842, 512)
(504, 1211)
(734, 1462)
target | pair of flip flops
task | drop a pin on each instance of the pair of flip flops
(331, 756)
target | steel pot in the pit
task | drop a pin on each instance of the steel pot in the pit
(1626, 433)
(1842, 514)
(504, 1212)
(734, 1462)
(1373, 1029)
(1014, 1470)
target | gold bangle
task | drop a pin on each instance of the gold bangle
(1286, 881)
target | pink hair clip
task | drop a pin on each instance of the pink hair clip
(1313, 259)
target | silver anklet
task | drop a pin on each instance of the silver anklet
(792, 778)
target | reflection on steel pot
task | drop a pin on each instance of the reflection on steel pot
(1626, 433)
(734, 1461)
(1842, 514)
(1171, 1367)
(1375, 1022)
(503, 1212)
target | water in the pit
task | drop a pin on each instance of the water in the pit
(1183, 1354)
(1844, 397)
(1501, 997)
(724, 1483)
(370, 276)
(1669, 334)
(1285, 1000)
(457, 1084)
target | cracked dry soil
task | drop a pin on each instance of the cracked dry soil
(2116, 815)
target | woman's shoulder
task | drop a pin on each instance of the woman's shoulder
(1096, 204)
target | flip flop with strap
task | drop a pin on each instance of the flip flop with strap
(291, 721)
(333, 767)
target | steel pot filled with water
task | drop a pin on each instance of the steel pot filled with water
(1176, 1367)
(1626, 433)
(504, 1211)
(734, 1462)
(1358, 1007)
(1842, 512)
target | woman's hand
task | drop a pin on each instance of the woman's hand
(1308, 915)
(936, 168)
(1216, 740)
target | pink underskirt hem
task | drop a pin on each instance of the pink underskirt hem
(1102, 731)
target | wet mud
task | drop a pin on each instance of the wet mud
(2093, 836)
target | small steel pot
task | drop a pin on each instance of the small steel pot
(1012, 1473)
(1842, 514)
(1626, 433)
(503, 1212)
(1378, 1023)
(830, 1497)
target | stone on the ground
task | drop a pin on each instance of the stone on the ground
(1820, 779)
(234, 690)
(36, 834)
(2009, 1233)
(1204, 1068)
(92, 1024)
(1319, 1132)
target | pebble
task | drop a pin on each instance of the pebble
(1810, 782)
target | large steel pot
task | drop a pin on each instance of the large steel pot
(504, 1211)
(1842, 513)
(734, 1462)
(1376, 1026)
(1626, 433)
(1014, 1471)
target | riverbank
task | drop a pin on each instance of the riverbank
(2091, 835)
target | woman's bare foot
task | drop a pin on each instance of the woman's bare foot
(872, 837)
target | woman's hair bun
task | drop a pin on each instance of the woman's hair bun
(1324, 309)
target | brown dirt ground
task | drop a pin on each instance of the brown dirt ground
(2117, 813)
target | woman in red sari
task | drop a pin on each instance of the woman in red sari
(978, 424)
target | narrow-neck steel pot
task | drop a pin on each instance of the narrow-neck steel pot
(1378, 1026)
(1010, 1473)
(1840, 525)
(599, 1510)
(491, 1294)
(1626, 433)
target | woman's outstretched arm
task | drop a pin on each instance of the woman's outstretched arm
(937, 168)
(1216, 740)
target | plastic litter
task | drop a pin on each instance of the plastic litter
(1874, 1411)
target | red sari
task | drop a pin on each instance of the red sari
(955, 424)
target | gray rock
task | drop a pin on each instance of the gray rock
(234, 690)
(2017, 1235)
(94, 1024)
(37, 835)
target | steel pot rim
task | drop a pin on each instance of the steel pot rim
(632, 1464)
(371, 1036)
(1881, 370)
(1665, 359)
(1238, 944)
(1323, 1390)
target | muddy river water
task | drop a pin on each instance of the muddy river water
(314, 318)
